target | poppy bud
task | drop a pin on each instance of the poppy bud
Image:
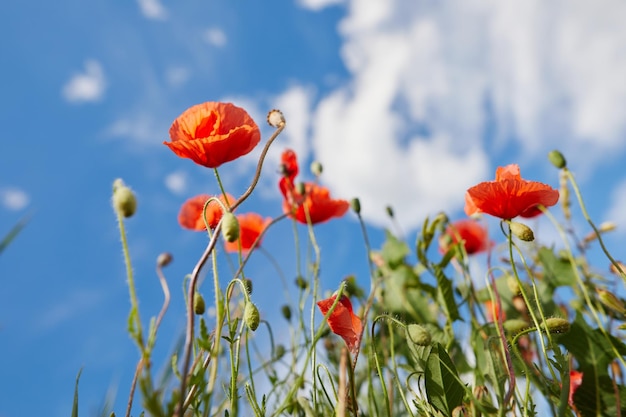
(513, 285)
(389, 210)
(316, 168)
(419, 335)
(251, 316)
(275, 118)
(300, 188)
(286, 310)
(279, 352)
(301, 282)
(198, 304)
(611, 301)
(557, 159)
(230, 227)
(124, 200)
(616, 267)
(521, 231)
(164, 259)
(248, 284)
(514, 326)
(356, 205)
(557, 325)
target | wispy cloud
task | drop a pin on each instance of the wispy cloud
(616, 212)
(140, 126)
(316, 5)
(215, 37)
(152, 9)
(87, 86)
(176, 182)
(13, 198)
(440, 90)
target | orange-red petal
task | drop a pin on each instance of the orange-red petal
(509, 196)
(316, 202)
(213, 133)
(190, 215)
(342, 321)
(474, 236)
(575, 381)
(251, 226)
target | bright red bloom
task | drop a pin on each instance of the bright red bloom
(493, 312)
(473, 235)
(316, 200)
(251, 226)
(343, 321)
(213, 133)
(575, 381)
(190, 215)
(509, 195)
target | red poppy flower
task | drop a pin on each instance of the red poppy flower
(316, 200)
(190, 215)
(251, 225)
(213, 133)
(343, 321)
(509, 195)
(473, 235)
(575, 381)
(493, 312)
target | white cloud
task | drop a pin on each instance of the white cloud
(87, 86)
(177, 76)
(317, 5)
(428, 79)
(14, 198)
(215, 37)
(142, 127)
(152, 9)
(176, 182)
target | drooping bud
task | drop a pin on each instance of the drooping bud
(248, 284)
(355, 203)
(199, 307)
(230, 227)
(286, 310)
(557, 159)
(557, 325)
(316, 168)
(275, 118)
(610, 301)
(389, 210)
(617, 268)
(124, 200)
(164, 259)
(251, 316)
(521, 231)
(418, 335)
(301, 282)
(279, 352)
(514, 326)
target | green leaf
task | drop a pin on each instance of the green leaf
(445, 295)
(557, 271)
(394, 251)
(75, 404)
(403, 295)
(443, 388)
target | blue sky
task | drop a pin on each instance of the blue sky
(406, 103)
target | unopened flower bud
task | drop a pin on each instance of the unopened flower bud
(610, 301)
(617, 268)
(124, 200)
(164, 259)
(355, 203)
(301, 282)
(557, 325)
(286, 310)
(275, 118)
(418, 335)
(198, 304)
(248, 284)
(513, 285)
(279, 352)
(389, 210)
(514, 326)
(301, 188)
(557, 159)
(316, 168)
(230, 227)
(251, 316)
(521, 231)
(607, 227)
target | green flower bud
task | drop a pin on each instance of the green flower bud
(248, 284)
(418, 335)
(301, 188)
(230, 227)
(316, 168)
(557, 325)
(514, 326)
(198, 303)
(610, 301)
(557, 159)
(251, 316)
(389, 210)
(279, 352)
(164, 259)
(356, 205)
(286, 310)
(124, 200)
(521, 231)
(301, 282)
